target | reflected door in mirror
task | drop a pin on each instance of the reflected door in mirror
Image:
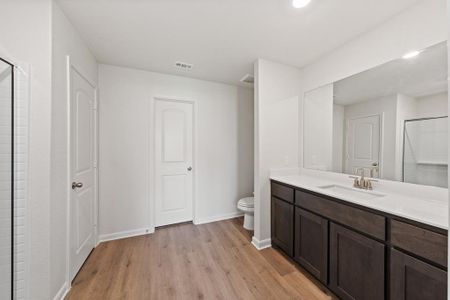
(363, 145)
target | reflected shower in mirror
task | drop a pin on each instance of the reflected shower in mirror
(388, 122)
(425, 151)
(6, 180)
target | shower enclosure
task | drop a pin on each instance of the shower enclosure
(6, 179)
(425, 155)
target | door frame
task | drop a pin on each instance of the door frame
(71, 65)
(152, 161)
(380, 154)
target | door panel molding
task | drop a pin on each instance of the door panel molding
(172, 157)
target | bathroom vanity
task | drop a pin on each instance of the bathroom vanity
(389, 125)
(361, 244)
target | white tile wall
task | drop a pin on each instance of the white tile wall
(5, 181)
(20, 191)
(426, 158)
(20, 176)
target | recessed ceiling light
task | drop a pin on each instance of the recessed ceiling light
(300, 3)
(411, 54)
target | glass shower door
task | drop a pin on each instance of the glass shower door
(425, 155)
(6, 179)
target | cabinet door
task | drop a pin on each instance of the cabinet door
(412, 279)
(283, 225)
(356, 265)
(311, 243)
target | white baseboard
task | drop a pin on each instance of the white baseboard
(62, 293)
(123, 234)
(222, 217)
(143, 231)
(261, 244)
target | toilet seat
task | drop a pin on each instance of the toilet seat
(246, 202)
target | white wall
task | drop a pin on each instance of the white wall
(318, 128)
(224, 162)
(65, 41)
(406, 109)
(338, 138)
(25, 36)
(432, 106)
(277, 92)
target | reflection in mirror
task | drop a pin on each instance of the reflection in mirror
(6, 192)
(425, 151)
(388, 122)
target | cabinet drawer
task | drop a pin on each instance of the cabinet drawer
(358, 219)
(422, 242)
(282, 192)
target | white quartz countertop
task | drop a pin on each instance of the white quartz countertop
(430, 209)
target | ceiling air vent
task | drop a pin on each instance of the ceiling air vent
(249, 79)
(183, 66)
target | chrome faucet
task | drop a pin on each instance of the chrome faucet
(362, 182)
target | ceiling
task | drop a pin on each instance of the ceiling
(423, 75)
(222, 39)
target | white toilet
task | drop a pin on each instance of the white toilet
(246, 205)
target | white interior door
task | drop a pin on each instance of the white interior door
(173, 162)
(82, 204)
(363, 145)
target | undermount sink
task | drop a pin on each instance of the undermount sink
(340, 190)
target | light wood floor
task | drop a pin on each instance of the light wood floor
(211, 261)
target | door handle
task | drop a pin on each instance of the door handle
(76, 185)
(189, 169)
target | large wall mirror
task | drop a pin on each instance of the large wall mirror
(388, 122)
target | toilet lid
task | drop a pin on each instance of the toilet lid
(246, 202)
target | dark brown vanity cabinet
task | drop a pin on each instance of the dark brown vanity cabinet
(413, 279)
(356, 252)
(356, 265)
(417, 278)
(282, 226)
(311, 243)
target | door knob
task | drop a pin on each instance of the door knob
(189, 168)
(77, 185)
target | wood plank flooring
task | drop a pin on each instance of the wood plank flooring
(210, 261)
